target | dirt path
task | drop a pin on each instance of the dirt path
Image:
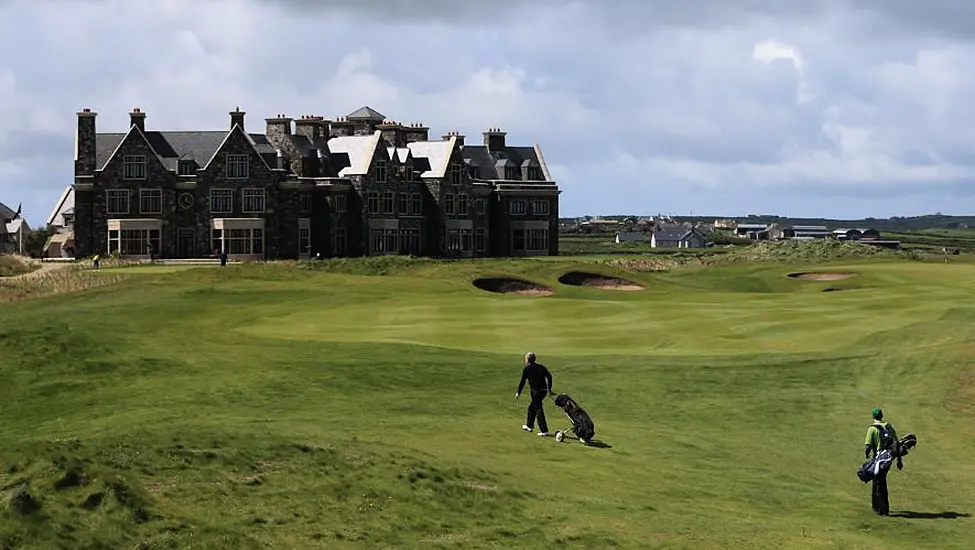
(44, 269)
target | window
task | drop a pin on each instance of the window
(448, 204)
(540, 208)
(339, 202)
(480, 206)
(306, 202)
(221, 201)
(373, 202)
(518, 239)
(339, 241)
(409, 241)
(408, 172)
(404, 203)
(465, 240)
(480, 240)
(239, 241)
(454, 174)
(391, 241)
(534, 173)
(537, 239)
(511, 173)
(134, 167)
(389, 202)
(375, 241)
(304, 237)
(117, 201)
(518, 207)
(150, 201)
(453, 240)
(216, 240)
(416, 204)
(133, 242)
(253, 200)
(462, 204)
(380, 171)
(474, 172)
(237, 166)
(186, 168)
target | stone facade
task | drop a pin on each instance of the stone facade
(359, 185)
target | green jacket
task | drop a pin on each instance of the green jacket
(880, 437)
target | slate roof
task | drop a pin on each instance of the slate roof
(491, 165)
(359, 149)
(436, 153)
(6, 213)
(173, 146)
(65, 205)
(669, 233)
(365, 113)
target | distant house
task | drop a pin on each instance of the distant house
(746, 229)
(61, 219)
(629, 237)
(677, 236)
(12, 229)
(855, 234)
(806, 232)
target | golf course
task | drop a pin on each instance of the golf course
(370, 403)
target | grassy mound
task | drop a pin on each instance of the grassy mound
(816, 251)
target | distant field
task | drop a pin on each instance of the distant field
(369, 403)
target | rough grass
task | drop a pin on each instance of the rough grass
(370, 404)
(11, 266)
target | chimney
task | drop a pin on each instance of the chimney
(84, 145)
(137, 118)
(460, 137)
(494, 139)
(393, 133)
(237, 118)
(310, 127)
(417, 132)
(278, 127)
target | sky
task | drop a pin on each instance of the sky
(832, 108)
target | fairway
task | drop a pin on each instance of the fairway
(272, 406)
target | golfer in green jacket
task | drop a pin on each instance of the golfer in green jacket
(881, 437)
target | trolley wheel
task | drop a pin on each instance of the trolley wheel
(559, 435)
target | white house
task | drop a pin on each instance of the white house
(61, 243)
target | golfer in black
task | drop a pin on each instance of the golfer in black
(540, 381)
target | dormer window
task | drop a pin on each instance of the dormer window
(409, 169)
(185, 168)
(455, 174)
(534, 173)
(380, 171)
(511, 173)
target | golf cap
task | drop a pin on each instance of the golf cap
(878, 414)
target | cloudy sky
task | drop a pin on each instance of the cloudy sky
(840, 108)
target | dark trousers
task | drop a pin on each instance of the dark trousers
(879, 496)
(535, 410)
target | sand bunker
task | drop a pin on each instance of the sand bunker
(595, 280)
(821, 276)
(504, 285)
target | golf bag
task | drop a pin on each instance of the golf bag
(582, 425)
(882, 460)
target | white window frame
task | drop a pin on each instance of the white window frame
(217, 196)
(540, 207)
(340, 241)
(402, 203)
(119, 198)
(462, 204)
(480, 239)
(253, 200)
(373, 203)
(518, 207)
(480, 206)
(454, 173)
(304, 236)
(134, 167)
(153, 198)
(237, 167)
(448, 204)
(380, 171)
(389, 202)
(307, 202)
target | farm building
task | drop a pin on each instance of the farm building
(806, 232)
(629, 237)
(677, 236)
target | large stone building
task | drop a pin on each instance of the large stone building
(359, 185)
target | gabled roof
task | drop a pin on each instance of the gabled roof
(250, 141)
(437, 154)
(134, 130)
(491, 164)
(669, 232)
(6, 212)
(359, 149)
(64, 204)
(171, 146)
(365, 113)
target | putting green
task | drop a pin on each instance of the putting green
(271, 406)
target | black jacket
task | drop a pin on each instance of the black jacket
(537, 377)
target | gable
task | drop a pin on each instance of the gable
(360, 151)
(438, 155)
(133, 143)
(238, 142)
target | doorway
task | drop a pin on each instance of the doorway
(186, 243)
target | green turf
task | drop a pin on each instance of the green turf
(370, 403)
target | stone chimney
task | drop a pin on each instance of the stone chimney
(84, 145)
(237, 118)
(417, 132)
(341, 127)
(312, 127)
(393, 133)
(494, 139)
(137, 118)
(460, 137)
(278, 127)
